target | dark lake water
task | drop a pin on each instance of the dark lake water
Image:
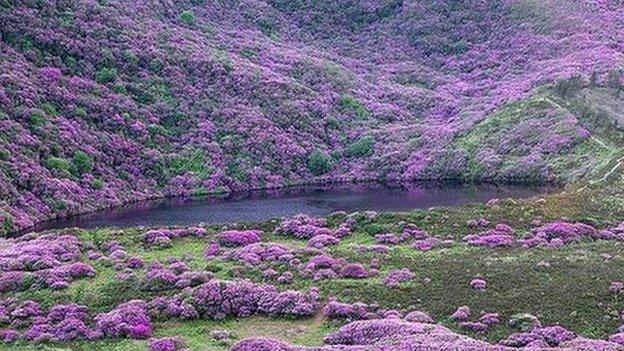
(312, 200)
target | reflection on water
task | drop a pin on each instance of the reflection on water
(313, 200)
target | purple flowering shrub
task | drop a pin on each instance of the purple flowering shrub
(304, 227)
(548, 336)
(387, 239)
(322, 241)
(396, 333)
(130, 319)
(166, 344)
(61, 323)
(397, 276)
(162, 237)
(232, 238)
(176, 276)
(261, 252)
(478, 284)
(337, 310)
(461, 314)
(558, 233)
(49, 260)
(220, 299)
(501, 236)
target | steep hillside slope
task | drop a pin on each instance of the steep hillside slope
(104, 102)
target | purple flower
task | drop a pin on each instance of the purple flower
(397, 276)
(501, 236)
(490, 319)
(419, 317)
(260, 344)
(166, 344)
(128, 319)
(9, 335)
(386, 239)
(476, 327)
(239, 237)
(322, 241)
(554, 334)
(461, 314)
(616, 287)
(478, 284)
(353, 270)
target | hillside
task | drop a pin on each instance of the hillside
(106, 102)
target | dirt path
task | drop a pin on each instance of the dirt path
(617, 165)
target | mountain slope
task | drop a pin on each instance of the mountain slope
(105, 102)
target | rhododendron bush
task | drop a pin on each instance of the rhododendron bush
(102, 103)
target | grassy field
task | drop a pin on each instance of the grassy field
(568, 286)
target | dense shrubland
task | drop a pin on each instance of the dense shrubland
(105, 102)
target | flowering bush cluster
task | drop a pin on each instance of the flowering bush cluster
(613, 233)
(177, 275)
(262, 252)
(50, 260)
(558, 233)
(61, 323)
(64, 323)
(304, 226)
(239, 237)
(327, 267)
(551, 235)
(403, 335)
(322, 241)
(167, 344)
(548, 336)
(387, 239)
(219, 299)
(129, 319)
(397, 276)
(162, 237)
(478, 284)
(501, 236)
(462, 314)
(337, 310)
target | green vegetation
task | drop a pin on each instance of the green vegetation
(83, 163)
(97, 184)
(106, 75)
(319, 163)
(362, 147)
(569, 285)
(59, 164)
(187, 17)
(193, 161)
(351, 104)
(37, 119)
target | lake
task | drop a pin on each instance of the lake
(313, 200)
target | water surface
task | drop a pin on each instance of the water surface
(312, 200)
